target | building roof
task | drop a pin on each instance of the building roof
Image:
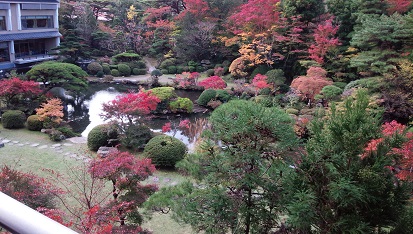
(28, 35)
(36, 1)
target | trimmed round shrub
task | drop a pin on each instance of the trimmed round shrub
(106, 69)
(13, 119)
(172, 69)
(164, 93)
(100, 74)
(222, 95)
(136, 136)
(192, 69)
(156, 73)
(100, 136)
(200, 69)
(331, 91)
(164, 71)
(165, 150)
(115, 72)
(276, 76)
(113, 66)
(179, 69)
(34, 123)
(167, 63)
(292, 111)
(67, 131)
(210, 72)
(124, 69)
(93, 68)
(206, 96)
(138, 71)
(184, 104)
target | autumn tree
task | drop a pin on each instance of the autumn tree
(324, 40)
(399, 6)
(260, 82)
(213, 82)
(51, 112)
(311, 84)
(14, 89)
(237, 170)
(126, 173)
(332, 188)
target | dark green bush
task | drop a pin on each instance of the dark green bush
(106, 69)
(192, 69)
(210, 72)
(136, 136)
(184, 104)
(276, 76)
(265, 91)
(93, 68)
(206, 96)
(164, 71)
(222, 95)
(101, 136)
(100, 74)
(34, 123)
(138, 71)
(56, 135)
(126, 57)
(165, 150)
(67, 131)
(124, 69)
(172, 69)
(179, 69)
(13, 119)
(200, 69)
(156, 73)
(113, 67)
(341, 85)
(167, 63)
(115, 72)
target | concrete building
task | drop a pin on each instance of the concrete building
(29, 29)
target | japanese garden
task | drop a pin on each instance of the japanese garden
(209, 116)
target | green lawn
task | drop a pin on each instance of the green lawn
(33, 159)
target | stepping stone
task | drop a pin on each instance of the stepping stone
(67, 144)
(42, 147)
(1, 145)
(5, 141)
(15, 142)
(56, 145)
(34, 145)
(66, 154)
(10, 143)
(20, 144)
(86, 160)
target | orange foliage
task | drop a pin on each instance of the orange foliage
(52, 110)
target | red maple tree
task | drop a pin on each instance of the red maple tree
(213, 82)
(324, 40)
(260, 82)
(12, 88)
(311, 84)
(126, 172)
(400, 6)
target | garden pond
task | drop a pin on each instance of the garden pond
(83, 114)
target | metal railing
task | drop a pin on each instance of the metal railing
(19, 218)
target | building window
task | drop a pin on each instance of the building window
(4, 52)
(29, 48)
(2, 23)
(34, 22)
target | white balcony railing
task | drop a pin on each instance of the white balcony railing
(19, 218)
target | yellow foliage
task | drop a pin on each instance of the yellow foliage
(131, 13)
(237, 67)
(52, 109)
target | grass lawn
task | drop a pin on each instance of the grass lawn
(30, 151)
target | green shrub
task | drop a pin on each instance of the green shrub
(67, 131)
(165, 151)
(156, 73)
(93, 68)
(200, 69)
(34, 123)
(137, 64)
(276, 76)
(115, 72)
(113, 67)
(164, 71)
(106, 69)
(136, 136)
(172, 69)
(124, 69)
(373, 84)
(265, 91)
(138, 71)
(13, 119)
(179, 69)
(126, 57)
(184, 104)
(164, 93)
(100, 136)
(210, 72)
(331, 91)
(167, 63)
(192, 69)
(100, 74)
(56, 135)
(192, 64)
(222, 95)
(206, 96)
(292, 111)
(341, 85)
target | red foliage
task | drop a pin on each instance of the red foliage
(255, 16)
(311, 84)
(130, 106)
(166, 127)
(260, 82)
(198, 9)
(324, 40)
(400, 6)
(56, 215)
(213, 82)
(10, 88)
(185, 124)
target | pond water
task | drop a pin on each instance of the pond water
(83, 114)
